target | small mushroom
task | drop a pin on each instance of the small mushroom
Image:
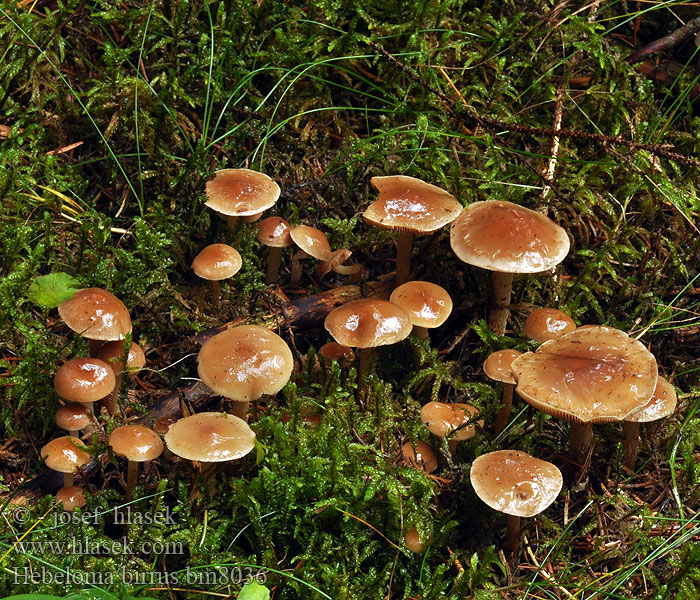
(544, 324)
(343, 355)
(428, 305)
(497, 366)
(450, 421)
(113, 354)
(84, 380)
(312, 242)
(275, 234)
(138, 444)
(96, 314)
(413, 541)
(65, 455)
(71, 497)
(216, 263)
(73, 417)
(422, 457)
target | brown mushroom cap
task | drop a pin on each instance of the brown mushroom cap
(217, 262)
(368, 323)
(662, 404)
(275, 232)
(72, 417)
(113, 352)
(422, 458)
(241, 192)
(413, 542)
(502, 236)
(84, 380)
(312, 241)
(136, 443)
(210, 437)
(441, 419)
(427, 304)
(335, 351)
(515, 483)
(96, 314)
(410, 204)
(590, 375)
(497, 365)
(544, 324)
(64, 454)
(71, 497)
(245, 362)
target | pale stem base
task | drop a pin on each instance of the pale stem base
(240, 410)
(131, 474)
(111, 402)
(501, 288)
(215, 293)
(403, 257)
(507, 404)
(273, 265)
(581, 445)
(512, 536)
(631, 444)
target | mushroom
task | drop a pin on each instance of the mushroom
(343, 355)
(245, 362)
(312, 242)
(71, 497)
(411, 207)
(591, 375)
(65, 455)
(450, 421)
(428, 305)
(413, 541)
(422, 457)
(138, 444)
(96, 314)
(274, 233)
(516, 484)
(216, 263)
(237, 193)
(505, 238)
(497, 366)
(544, 324)
(84, 380)
(335, 264)
(113, 354)
(73, 417)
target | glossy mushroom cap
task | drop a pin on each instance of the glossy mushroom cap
(245, 362)
(591, 375)
(544, 324)
(368, 323)
(84, 380)
(72, 417)
(241, 192)
(136, 443)
(96, 314)
(413, 542)
(217, 262)
(210, 437)
(422, 458)
(312, 241)
(441, 419)
(113, 352)
(502, 236)
(71, 497)
(275, 232)
(410, 204)
(515, 483)
(428, 305)
(497, 365)
(64, 454)
(662, 404)
(335, 351)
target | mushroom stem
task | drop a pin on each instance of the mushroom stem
(131, 473)
(512, 536)
(631, 444)
(421, 332)
(273, 265)
(403, 256)
(215, 293)
(297, 269)
(581, 445)
(507, 404)
(231, 221)
(501, 287)
(240, 410)
(365, 353)
(111, 402)
(452, 445)
(67, 479)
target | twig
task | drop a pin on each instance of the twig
(667, 41)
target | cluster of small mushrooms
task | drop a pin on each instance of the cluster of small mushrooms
(585, 375)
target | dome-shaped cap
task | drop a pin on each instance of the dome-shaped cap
(662, 404)
(502, 236)
(368, 323)
(72, 417)
(275, 232)
(210, 437)
(441, 419)
(515, 483)
(497, 365)
(312, 241)
(427, 304)
(422, 458)
(84, 380)
(64, 454)
(544, 324)
(96, 314)
(245, 362)
(241, 192)
(113, 352)
(217, 262)
(71, 497)
(590, 375)
(335, 351)
(136, 443)
(410, 204)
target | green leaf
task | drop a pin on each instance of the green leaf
(254, 591)
(52, 289)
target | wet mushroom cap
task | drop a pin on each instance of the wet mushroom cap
(312, 241)
(335, 351)
(422, 458)
(410, 204)
(245, 362)
(427, 304)
(96, 314)
(441, 419)
(113, 352)
(502, 236)
(64, 454)
(84, 380)
(368, 323)
(662, 404)
(217, 262)
(544, 324)
(71, 497)
(275, 232)
(591, 375)
(497, 365)
(72, 417)
(241, 192)
(515, 483)
(210, 437)
(136, 443)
